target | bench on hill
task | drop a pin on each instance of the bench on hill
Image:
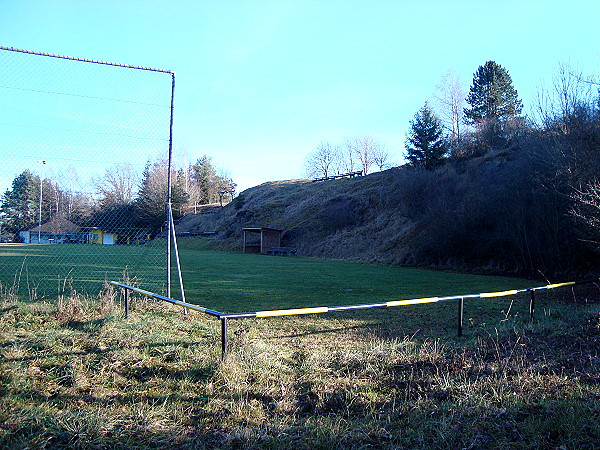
(195, 233)
(358, 173)
(282, 251)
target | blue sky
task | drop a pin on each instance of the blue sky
(260, 83)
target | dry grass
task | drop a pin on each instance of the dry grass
(76, 374)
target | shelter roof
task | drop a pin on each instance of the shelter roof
(259, 229)
(57, 225)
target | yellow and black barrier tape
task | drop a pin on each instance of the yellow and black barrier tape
(325, 309)
(415, 301)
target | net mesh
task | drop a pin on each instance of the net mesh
(83, 180)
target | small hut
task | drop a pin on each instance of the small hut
(56, 230)
(261, 239)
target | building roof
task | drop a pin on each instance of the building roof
(57, 225)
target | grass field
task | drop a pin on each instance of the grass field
(235, 282)
(36, 271)
(75, 374)
(229, 281)
(238, 282)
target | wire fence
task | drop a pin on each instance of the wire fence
(85, 147)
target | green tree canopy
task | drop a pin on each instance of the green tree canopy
(152, 196)
(426, 144)
(19, 203)
(492, 96)
(209, 183)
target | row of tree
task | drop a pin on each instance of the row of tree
(123, 198)
(494, 114)
(356, 154)
(494, 108)
(490, 186)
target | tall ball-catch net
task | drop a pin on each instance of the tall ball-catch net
(83, 181)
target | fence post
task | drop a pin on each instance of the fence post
(223, 338)
(126, 303)
(531, 304)
(461, 309)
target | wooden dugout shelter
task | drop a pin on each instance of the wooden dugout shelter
(261, 239)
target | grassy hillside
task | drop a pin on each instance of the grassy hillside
(503, 212)
(337, 219)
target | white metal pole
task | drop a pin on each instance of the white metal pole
(174, 237)
(169, 167)
(40, 206)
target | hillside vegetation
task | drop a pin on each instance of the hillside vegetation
(493, 213)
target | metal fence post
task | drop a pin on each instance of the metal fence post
(461, 309)
(223, 338)
(126, 303)
(532, 304)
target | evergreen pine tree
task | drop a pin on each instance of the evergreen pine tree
(205, 176)
(492, 96)
(426, 144)
(19, 203)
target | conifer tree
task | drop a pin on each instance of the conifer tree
(18, 205)
(426, 145)
(492, 96)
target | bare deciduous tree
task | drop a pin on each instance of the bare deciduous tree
(569, 90)
(449, 98)
(586, 210)
(382, 158)
(359, 153)
(118, 185)
(365, 148)
(348, 157)
(323, 161)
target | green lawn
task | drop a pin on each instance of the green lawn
(76, 373)
(37, 271)
(238, 282)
